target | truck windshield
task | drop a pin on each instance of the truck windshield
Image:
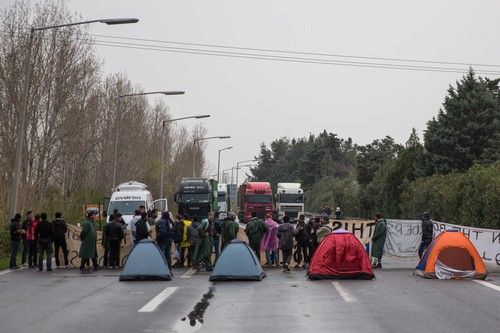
(198, 197)
(254, 198)
(221, 196)
(125, 207)
(291, 198)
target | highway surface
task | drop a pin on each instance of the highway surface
(396, 301)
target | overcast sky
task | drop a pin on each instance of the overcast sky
(257, 101)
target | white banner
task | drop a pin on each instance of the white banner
(404, 236)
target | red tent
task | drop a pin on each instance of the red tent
(340, 256)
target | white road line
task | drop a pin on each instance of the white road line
(153, 304)
(190, 272)
(346, 296)
(487, 284)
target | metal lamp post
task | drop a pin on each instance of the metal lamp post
(237, 168)
(24, 102)
(163, 144)
(201, 139)
(118, 120)
(218, 161)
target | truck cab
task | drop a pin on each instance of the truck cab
(196, 196)
(223, 200)
(289, 200)
(255, 197)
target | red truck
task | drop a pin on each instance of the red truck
(254, 197)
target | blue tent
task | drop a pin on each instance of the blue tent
(237, 262)
(145, 262)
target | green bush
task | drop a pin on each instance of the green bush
(4, 241)
(471, 198)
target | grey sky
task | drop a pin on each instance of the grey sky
(256, 101)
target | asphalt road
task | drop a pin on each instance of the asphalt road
(396, 301)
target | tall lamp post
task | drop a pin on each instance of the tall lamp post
(218, 160)
(24, 102)
(202, 139)
(118, 120)
(238, 168)
(163, 144)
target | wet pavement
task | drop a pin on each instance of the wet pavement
(396, 301)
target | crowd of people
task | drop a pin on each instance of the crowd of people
(192, 240)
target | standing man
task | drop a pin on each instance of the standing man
(177, 238)
(114, 235)
(216, 232)
(229, 229)
(137, 217)
(15, 240)
(311, 229)
(45, 236)
(164, 234)
(24, 237)
(285, 234)
(339, 214)
(378, 240)
(142, 228)
(427, 233)
(60, 230)
(185, 242)
(255, 230)
(194, 239)
(88, 248)
(32, 243)
(302, 239)
(204, 254)
(105, 242)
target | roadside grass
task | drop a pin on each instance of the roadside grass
(5, 262)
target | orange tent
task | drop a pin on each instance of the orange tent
(451, 255)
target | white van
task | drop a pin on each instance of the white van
(127, 197)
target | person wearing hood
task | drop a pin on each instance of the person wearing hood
(193, 237)
(114, 235)
(164, 235)
(60, 230)
(186, 223)
(302, 239)
(427, 233)
(378, 240)
(204, 254)
(88, 247)
(45, 236)
(15, 240)
(270, 242)
(255, 230)
(229, 229)
(285, 235)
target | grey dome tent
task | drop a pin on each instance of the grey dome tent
(145, 262)
(237, 262)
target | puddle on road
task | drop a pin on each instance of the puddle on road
(194, 320)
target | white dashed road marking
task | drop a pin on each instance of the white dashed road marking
(487, 284)
(346, 296)
(153, 304)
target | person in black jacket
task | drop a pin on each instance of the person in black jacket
(44, 236)
(114, 235)
(164, 235)
(60, 230)
(427, 233)
(177, 238)
(15, 240)
(302, 239)
(142, 228)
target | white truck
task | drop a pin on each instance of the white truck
(127, 197)
(289, 200)
(223, 200)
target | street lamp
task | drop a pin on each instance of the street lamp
(24, 102)
(218, 160)
(201, 139)
(237, 168)
(118, 120)
(163, 144)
